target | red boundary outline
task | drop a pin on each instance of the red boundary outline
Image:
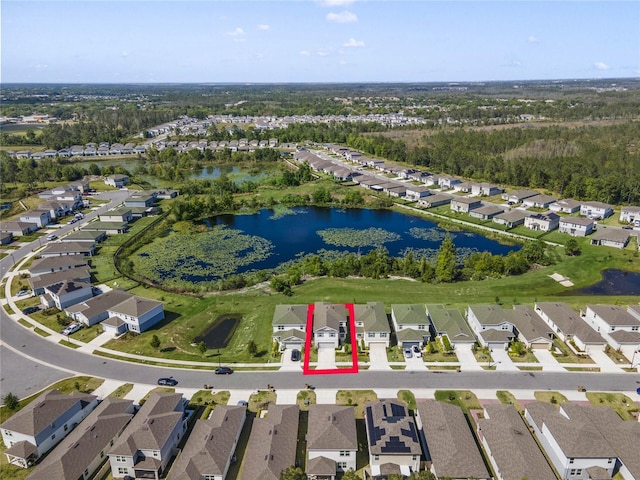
(354, 348)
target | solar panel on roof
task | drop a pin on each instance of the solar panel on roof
(395, 445)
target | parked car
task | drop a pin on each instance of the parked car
(295, 355)
(73, 328)
(416, 351)
(51, 237)
(169, 382)
(223, 371)
(407, 353)
(30, 310)
(22, 293)
(243, 403)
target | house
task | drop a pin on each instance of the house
(630, 214)
(55, 264)
(611, 237)
(435, 200)
(117, 181)
(6, 238)
(39, 426)
(84, 450)
(289, 325)
(150, 440)
(596, 210)
(569, 327)
(464, 187)
(511, 218)
(62, 249)
(66, 293)
(567, 205)
(619, 327)
(518, 196)
(119, 215)
(485, 190)
(140, 200)
(110, 228)
(573, 443)
(411, 325)
(531, 330)
(41, 218)
(493, 328)
(415, 193)
(59, 209)
(329, 325)
(510, 447)
(18, 229)
(464, 204)
(134, 314)
(272, 443)
(88, 236)
(544, 222)
(331, 440)
(371, 324)
(447, 182)
(486, 212)
(211, 446)
(539, 201)
(449, 322)
(392, 438)
(95, 310)
(576, 226)
(448, 442)
(39, 282)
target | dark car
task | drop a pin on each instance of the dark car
(295, 355)
(169, 382)
(223, 371)
(30, 310)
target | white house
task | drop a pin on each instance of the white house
(464, 204)
(619, 327)
(117, 181)
(331, 439)
(611, 237)
(576, 226)
(329, 324)
(544, 222)
(371, 323)
(94, 310)
(630, 214)
(289, 325)
(491, 325)
(122, 214)
(449, 322)
(40, 425)
(596, 209)
(539, 201)
(138, 315)
(567, 205)
(66, 293)
(411, 325)
(41, 218)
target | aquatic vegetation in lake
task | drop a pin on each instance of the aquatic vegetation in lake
(429, 234)
(197, 257)
(351, 237)
(280, 211)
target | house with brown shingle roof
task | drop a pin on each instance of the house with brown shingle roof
(66, 293)
(371, 323)
(84, 450)
(42, 424)
(289, 325)
(211, 446)
(149, 442)
(619, 327)
(510, 447)
(56, 264)
(94, 310)
(449, 443)
(329, 324)
(331, 439)
(272, 443)
(137, 313)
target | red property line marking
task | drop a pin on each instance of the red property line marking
(354, 348)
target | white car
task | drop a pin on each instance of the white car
(22, 293)
(73, 328)
(51, 237)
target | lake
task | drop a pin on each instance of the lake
(614, 282)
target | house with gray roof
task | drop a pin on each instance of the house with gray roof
(211, 446)
(329, 324)
(464, 204)
(567, 325)
(111, 228)
(84, 450)
(630, 214)
(596, 209)
(449, 322)
(272, 443)
(59, 249)
(66, 293)
(331, 438)
(511, 218)
(448, 442)
(567, 205)
(493, 328)
(81, 236)
(435, 200)
(56, 264)
(485, 189)
(40, 217)
(510, 447)
(95, 310)
(411, 324)
(42, 424)
(18, 228)
(138, 314)
(539, 201)
(573, 443)
(544, 222)
(39, 282)
(289, 325)
(486, 212)
(519, 195)
(371, 323)
(576, 226)
(531, 330)
(392, 437)
(122, 214)
(117, 180)
(611, 237)
(150, 440)
(619, 327)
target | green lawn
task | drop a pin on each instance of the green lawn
(356, 399)
(465, 399)
(261, 400)
(408, 398)
(508, 398)
(122, 390)
(555, 398)
(623, 405)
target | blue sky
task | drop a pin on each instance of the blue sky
(86, 41)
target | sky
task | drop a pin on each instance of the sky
(311, 41)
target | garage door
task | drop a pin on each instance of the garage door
(297, 345)
(540, 345)
(410, 344)
(326, 345)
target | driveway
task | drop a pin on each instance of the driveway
(415, 363)
(548, 361)
(289, 365)
(466, 358)
(378, 357)
(503, 360)
(326, 358)
(604, 362)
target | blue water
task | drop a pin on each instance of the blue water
(614, 282)
(295, 234)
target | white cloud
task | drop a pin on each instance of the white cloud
(601, 66)
(342, 17)
(352, 42)
(322, 53)
(124, 54)
(336, 3)
(342, 62)
(533, 39)
(264, 27)
(234, 33)
(304, 53)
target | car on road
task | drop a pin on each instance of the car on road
(416, 351)
(51, 237)
(295, 355)
(167, 381)
(407, 353)
(73, 328)
(30, 310)
(223, 371)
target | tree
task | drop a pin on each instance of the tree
(11, 401)
(252, 348)
(155, 342)
(293, 473)
(350, 475)
(202, 347)
(572, 248)
(446, 261)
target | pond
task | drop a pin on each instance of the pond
(614, 282)
(218, 334)
(262, 241)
